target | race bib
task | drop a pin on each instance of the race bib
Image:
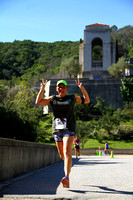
(60, 123)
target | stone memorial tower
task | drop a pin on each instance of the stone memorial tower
(97, 52)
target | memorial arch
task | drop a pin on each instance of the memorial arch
(97, 52)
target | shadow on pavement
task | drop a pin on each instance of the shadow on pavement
(42, 181)
(45, 180)
(111, 191)
(104, 190)
(82, 162)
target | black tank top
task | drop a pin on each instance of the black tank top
(63, 109)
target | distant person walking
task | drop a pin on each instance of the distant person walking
(106, 150)
(77, 146)
(64, 120)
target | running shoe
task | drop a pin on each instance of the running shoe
(65, 182)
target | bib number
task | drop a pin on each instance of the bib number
(61, 123)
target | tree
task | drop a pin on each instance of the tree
(130, 53)
(122, 37)
(12, 126)
(83, 130)
(109, 123)
(18, 115)
(97, 52)
(81, 41)
(29, 59)
(127, 90)
(85, 112)
(4, 87)
(100, 103)
(118, 69)
(114, 28)
(71, 66)
(23, 104)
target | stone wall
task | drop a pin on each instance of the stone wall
(115, 151)
(109, 90)
(18, 157)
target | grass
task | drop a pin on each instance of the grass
(93, 143)
(128, 124)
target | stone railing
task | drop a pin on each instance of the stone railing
(18, 157)
(115, 151)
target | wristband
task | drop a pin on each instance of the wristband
(83, 100)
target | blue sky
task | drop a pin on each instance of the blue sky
(57, 20)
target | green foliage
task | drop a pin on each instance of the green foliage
(114, 28)
(12, 126)
(100, 104)
(89, 111)
(110, 122)
(83, 130)
(126, 133)
(122, 38)
(71, 66)
(94, 143)
(130, 48)
(86, 112)
(16, 58)
(28, 59)
(97, 53)
(4, 87)
(104, 122)
(118, 69)
(20, 99)
(31, 60)
(100, 136)
(128, 112)
(127, 90)
(25, 119)
(44, 130)
(18, 114)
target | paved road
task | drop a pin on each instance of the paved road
(92, 177)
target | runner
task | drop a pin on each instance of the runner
(106, 150)
(77, 146)
(64, 121)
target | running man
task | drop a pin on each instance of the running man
(64, 123)
(106, 150)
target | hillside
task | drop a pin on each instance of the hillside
(28, 58)
(32, 60)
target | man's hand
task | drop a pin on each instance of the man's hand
(43, 84)
(78, 83)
